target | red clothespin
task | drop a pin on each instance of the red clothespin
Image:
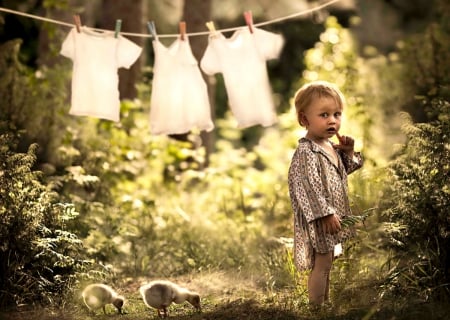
(77, 20)
(249, 20)
(182, 30)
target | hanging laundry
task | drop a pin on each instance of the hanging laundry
(96, 57)
(242, 60)
(179, 99)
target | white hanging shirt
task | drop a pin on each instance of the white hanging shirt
(96, 57)
(242, 60)
(179, 99)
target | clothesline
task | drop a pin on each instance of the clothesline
(144, 35)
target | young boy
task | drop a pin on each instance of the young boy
(318, 184)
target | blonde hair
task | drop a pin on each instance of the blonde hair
(315, 90)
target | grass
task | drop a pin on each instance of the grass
(228, 296)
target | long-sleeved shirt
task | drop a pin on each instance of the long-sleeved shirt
(318, 188)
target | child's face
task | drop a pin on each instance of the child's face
(322, 118)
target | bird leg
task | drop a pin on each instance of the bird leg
(163, 313)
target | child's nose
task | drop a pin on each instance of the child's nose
(334, 119)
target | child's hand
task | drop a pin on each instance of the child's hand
(346, 144)
(331, 224)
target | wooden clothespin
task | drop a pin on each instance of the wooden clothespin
(211, 27)
(77, 20)
(118, 27)
(152, 29)
(182, 30)
(249, 20)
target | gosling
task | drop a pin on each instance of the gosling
(97, 295)
(160, 294)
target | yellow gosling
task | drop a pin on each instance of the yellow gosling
(160, 294)
(97, 295)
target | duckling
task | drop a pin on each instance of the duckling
(97, 295)
(160, 294)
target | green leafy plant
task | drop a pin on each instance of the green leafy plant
(416, 201)
(420, 233)
(39, 257)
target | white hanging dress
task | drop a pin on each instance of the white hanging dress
(179, 98)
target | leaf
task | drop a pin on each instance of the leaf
(349, 221)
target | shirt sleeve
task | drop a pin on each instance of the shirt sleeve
(352, 163)
(210, 63)
(306, 187)
(127, 52)
(68, 45)
(269, 44)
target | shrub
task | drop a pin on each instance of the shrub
(418, 210)
(417, 196)
(38, 256)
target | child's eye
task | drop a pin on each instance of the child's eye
(338, 114)
(324, 115)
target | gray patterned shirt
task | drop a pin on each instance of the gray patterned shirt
(318, 188)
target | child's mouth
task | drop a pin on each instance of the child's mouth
(331, 130)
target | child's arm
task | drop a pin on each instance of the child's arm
(352, 160)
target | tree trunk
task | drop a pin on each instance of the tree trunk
(196, 13)
(132, 14)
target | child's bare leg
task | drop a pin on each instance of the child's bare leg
(318, 282)
(327, 290)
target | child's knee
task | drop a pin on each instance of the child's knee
(323, 262)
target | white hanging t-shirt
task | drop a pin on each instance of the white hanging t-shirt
(96, 57)
(179, 99)
(242, 60)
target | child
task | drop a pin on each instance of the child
(318, 184)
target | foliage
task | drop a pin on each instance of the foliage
(417, 198)
(170, 217)
(420, 231)
(424, 57)
(41, 254)
(39, 257)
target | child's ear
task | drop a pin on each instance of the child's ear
(303, 120)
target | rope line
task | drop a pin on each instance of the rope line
(144, 35)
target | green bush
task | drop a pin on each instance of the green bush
(39, 257)
(417, 202)
(418, 207)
